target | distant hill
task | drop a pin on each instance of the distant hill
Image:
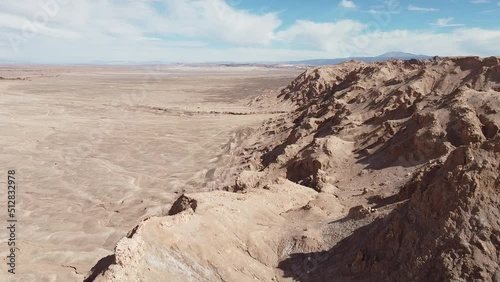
(399, 55)
(380, 58)
(312, 62)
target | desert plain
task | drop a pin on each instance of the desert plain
(97, 149)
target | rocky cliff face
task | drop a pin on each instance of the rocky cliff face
(379, 172)
(396, 113)
(447, 230)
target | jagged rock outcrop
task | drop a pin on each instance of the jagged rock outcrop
(396, 113)
(181, 204)
(230, 237)
(448, 230)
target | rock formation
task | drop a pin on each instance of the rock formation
(380, 172)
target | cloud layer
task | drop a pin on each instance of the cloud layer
(213, 30)
(421, 9)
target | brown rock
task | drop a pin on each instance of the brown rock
(181, 204)
(360, 212)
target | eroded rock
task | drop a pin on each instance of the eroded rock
(181, 204)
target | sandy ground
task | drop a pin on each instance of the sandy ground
(97, 149)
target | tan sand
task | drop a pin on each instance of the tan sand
(97, 149)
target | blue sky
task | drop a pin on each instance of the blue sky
(83, 31)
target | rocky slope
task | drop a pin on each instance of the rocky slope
(381, 171)
(448, 230)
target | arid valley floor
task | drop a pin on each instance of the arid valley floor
(97, 149)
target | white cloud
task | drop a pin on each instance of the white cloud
(480, 1)
(96, 19)
(321, 36)
(24, 28)
(445, 22)
(215, 19)
(421, 9)
(459, 42)
(184, 30)
(347, 4)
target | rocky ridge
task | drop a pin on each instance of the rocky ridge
(381, 171)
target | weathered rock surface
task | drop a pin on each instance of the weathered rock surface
(382, 172)
(448, 230)
(181, 204)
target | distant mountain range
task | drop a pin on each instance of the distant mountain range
(313, 62)
(380, 58)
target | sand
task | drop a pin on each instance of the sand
(97, 149)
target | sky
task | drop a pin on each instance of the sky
(89, 31)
